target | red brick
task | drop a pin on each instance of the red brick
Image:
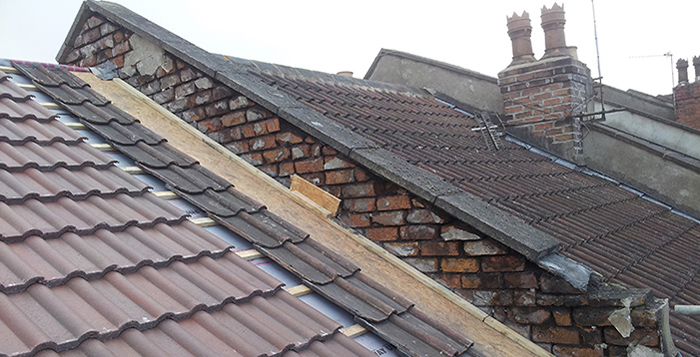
(405, 249)
(383, 234)
(273, 125)
(359, 220)
(118, 61)
(276, 155)
(502, 263)
(389, 218)
(484, 247)
(460, 265)
(418, 232)
(448, 279)
(263, 143)
(424, 216)
(254, 159)
(482, 281)
(334, 163)
(358, 189)
(393, 203)
(425, 265)
(359, 204)
(529, 315)
(562, 317)
(301, 151)
(340, 177)
(526, 280)
(309, 165)
(578, 351)
(442, 249)
(361, 175)
(288, 138)
(231, 119)
(315, 178)
(286, 169)
(269, 169)
(327, 150)
(525, 298)
(309, 140)
(646, 337)
(558, 335)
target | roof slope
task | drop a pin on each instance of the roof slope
(623, 236)
(333, 277)
(93, 263)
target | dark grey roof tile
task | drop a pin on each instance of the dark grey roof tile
(160, 156)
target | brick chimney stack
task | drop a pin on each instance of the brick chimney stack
(542, 98)
(682, 67)
(519, 30)
(687, 94)
(553, 21)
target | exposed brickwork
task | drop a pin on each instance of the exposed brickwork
(540, 98)
(483, 271)
(688, 104)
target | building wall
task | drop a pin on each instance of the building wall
(466, 86)
(500, 281)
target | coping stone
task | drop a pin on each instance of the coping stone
(496, 223)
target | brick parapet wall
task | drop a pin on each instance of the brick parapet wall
(500, 281)
(687, 98)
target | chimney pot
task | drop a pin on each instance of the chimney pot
(519, 31)
(553, 21)
(696, 64)
(345, 73)
(682, 67)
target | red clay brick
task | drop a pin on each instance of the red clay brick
(276, 155)
(235, 118)
(309, 165)
(558, 335)
(340, 177)
(383, 234)
(442, 249)
(389, 218)
(404, 249)
(394, 203)
(502, 263)
(358, 189)
(460, 265)
(418, 232)
(359, 204)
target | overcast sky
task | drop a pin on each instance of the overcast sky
(334, 36)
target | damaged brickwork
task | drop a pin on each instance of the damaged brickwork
(500, 281)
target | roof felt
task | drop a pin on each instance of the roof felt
(621, 235)
(332, 276)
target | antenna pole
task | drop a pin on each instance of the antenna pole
(597, 51)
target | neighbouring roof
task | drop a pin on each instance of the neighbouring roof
(95, 263)
(525, 200)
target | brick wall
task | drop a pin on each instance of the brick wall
(688, 104)
(498, 280)
(539, 99)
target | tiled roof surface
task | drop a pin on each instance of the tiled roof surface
(330, 275)
(623, 236)
(92, 263)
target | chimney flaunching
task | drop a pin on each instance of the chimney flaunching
(519, 30)
(553, 21)
(682, 67)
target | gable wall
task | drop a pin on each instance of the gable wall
(498, 280)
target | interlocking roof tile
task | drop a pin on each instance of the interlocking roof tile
(69, 95)
(289, 246)
(126, 134)
(100, 115)
(50, 185)
(91, 263)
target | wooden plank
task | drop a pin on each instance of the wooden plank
(249, 254)
(315, 194)
(299, 290)
(49, 105)
(203, 222)
(132, 170)
(26, 86)
(75, 125)
(353, 331)
(102, 147)
(8, 69)
(166, 195)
